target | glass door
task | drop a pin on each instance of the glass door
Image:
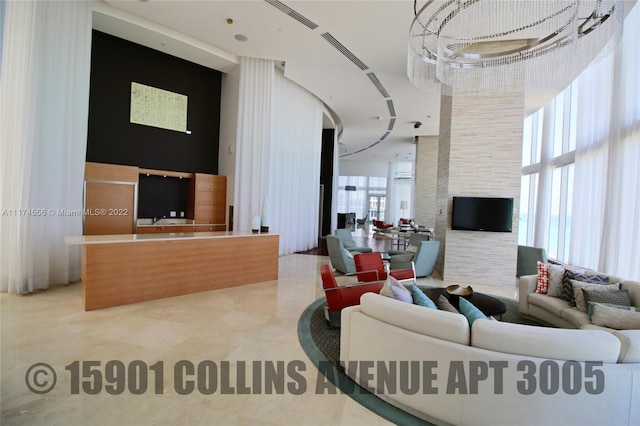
(377, 205)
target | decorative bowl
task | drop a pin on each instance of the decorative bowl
(457, 290)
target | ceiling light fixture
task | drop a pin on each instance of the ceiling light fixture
(492, 47)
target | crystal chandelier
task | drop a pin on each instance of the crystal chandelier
(493, 47)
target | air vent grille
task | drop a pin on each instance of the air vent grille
(392, 123)
(392, 110)
(378, 85)
(295, 15)
(385, 136)
(345, 51)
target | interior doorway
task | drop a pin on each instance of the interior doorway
(377, 207)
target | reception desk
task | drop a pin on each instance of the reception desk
(129, 268)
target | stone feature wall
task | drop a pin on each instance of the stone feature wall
(426, 181)
(479, 154)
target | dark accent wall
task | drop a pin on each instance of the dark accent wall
(115, 63)
(326, 177)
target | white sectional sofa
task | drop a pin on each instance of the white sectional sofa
(492, 373)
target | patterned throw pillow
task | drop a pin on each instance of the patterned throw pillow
(543, 278)
(578, 296)
(619, 297)
(579, 275)
(399, 291)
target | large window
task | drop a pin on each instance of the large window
(362, 195)
(548, 174)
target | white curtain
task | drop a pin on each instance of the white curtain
(44, 94)
(278, 156)
(254, 139)
(605, 232)
(294, 184)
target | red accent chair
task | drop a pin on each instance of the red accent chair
(379, 224)
(339, 297)
(370, 267)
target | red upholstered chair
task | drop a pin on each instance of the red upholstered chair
(339, 297)
(370, 267)
(379, 224)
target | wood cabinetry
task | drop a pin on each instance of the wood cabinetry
(110, 194)
(209, 195)
(161, 229)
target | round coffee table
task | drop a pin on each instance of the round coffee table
(488, 305)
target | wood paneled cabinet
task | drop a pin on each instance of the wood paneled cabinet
(161, 229)
(110, 193)
(209, 195)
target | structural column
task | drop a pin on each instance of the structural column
(479, 154)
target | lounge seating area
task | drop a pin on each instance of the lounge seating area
(453, 346)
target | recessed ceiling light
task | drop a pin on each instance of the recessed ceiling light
(241, 37)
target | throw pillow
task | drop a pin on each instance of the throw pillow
(471, 312)
(386, 288)
(445, 305)
(421, 299)
(624, 307)
(580, 275)
(620, 319)
(578, 296)
(543, 278)
(348, 254)
(399, 291)
(619, 297)
(556, 274)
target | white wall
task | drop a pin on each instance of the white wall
(229, 130)
(363, 168)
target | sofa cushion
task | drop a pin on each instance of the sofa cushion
(545, 342)
(470, 311)
(421, 299)
(575, 316)
(620, 318)
(429, 322)
(578, 286)
(579, 275)
(552, 304)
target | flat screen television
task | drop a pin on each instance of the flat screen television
(482, 214)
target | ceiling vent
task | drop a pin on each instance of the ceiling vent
(346, 52)
(378, 85)
(392, 110)
(295, 15)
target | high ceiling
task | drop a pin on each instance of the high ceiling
(350, 54)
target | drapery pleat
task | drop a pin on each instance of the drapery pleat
(44, 94)
(605, 228)
(278, 150)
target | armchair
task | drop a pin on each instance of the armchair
(527, 261)
(424, 258)
(339, 297)
(347, 241)
(381, 225)
(414, 241)
(370, 267)
(341, 258)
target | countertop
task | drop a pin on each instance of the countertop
(172, 236)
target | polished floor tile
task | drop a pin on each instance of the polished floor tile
(252, 323)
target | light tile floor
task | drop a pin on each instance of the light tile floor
(256, 322)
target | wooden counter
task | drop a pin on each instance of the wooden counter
(129, 268)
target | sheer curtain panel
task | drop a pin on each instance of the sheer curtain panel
(44, 93)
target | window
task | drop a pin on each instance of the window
(367, 199)
(545, 211)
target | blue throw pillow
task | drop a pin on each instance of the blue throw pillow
(468, 310)
(421, 299)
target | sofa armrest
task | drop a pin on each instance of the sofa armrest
(526, 285)
(634, 291)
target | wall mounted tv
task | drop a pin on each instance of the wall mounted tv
(482, 214)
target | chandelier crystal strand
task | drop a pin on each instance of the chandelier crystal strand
(493, 47)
